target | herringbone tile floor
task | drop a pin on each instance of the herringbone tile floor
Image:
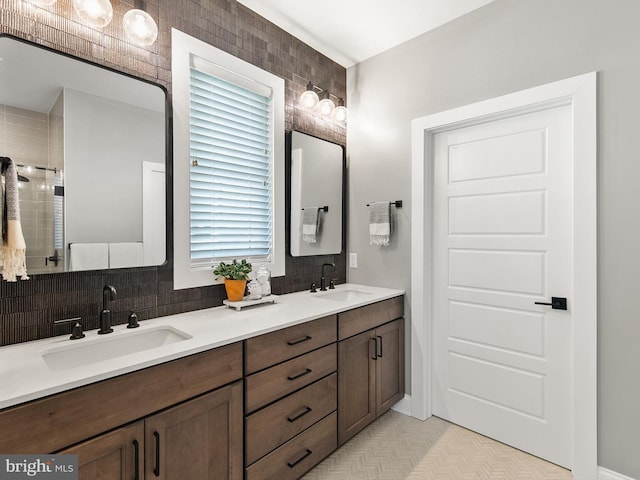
(398, 447)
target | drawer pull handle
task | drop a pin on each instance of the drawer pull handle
(301, 374)
(375, 348)
(296, 462)
(379, 352)
(300, 415)
(300, 340)
(136, 459)
(156, 470)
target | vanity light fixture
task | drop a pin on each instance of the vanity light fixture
(340, 113)
(326, 107)
(96, 13)
(139, 26)
(309, 98)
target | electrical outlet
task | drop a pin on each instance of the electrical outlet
(353, 260)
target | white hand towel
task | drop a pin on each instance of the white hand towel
(310, 221)
(89, 256)
(379, 224)
(13, 248)
(126, 254)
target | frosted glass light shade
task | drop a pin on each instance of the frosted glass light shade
(96, 13)
(340, 113)
(326, 106)
(309, 99)
(140, 27)
(42, 3)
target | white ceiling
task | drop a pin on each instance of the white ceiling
(350, 31)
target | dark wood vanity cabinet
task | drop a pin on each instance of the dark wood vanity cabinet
(116, 455)
(290, 401)
(178, 420)
(370, 364)
(199, 439)
(270, 407)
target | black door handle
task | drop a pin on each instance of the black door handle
(557, 303)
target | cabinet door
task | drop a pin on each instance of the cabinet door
(198, 440)
(389, 365)
(117, 455)
(356, 384)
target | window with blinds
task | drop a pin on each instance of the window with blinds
(230, 178)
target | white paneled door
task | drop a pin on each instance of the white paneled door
(502, 240)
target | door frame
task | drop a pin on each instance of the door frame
(580, 93)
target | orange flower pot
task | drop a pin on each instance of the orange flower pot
(235, 289)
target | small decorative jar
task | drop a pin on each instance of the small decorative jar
(255, 290)
(263, 276)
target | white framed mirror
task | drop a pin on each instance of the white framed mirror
(317, 196)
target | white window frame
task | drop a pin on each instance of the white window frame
(184, 48)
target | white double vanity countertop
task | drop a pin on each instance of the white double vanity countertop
(36, 369)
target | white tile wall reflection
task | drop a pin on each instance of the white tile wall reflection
(24, 136)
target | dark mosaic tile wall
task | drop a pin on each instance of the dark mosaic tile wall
(28, 308)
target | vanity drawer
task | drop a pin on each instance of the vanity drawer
(299, 454)
(361, 319)
(268, 385)
(272, 348)
(274, 425)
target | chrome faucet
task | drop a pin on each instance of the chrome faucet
(108, 295)
(323, 280)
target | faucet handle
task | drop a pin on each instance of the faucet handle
(76, 331)
(313, 288)
(133, 320)
(332, 284)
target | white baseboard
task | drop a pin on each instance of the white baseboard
(606, 474)
(403, 405)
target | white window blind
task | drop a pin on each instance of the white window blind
(230, 181)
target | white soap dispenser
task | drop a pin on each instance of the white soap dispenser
(263, 276)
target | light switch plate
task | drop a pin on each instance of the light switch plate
(353, 260)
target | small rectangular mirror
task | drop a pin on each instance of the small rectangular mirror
(317, 188)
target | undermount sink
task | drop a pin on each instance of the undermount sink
(107, 348)
(342, 295)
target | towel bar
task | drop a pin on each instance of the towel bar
(325, 208)
(397, 204)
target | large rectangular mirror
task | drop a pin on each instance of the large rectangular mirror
(317, 196)
(90, 145)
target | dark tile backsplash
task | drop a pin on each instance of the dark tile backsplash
(28, 308)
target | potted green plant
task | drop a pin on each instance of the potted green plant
(235, 275)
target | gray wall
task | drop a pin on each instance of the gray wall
(506, 46)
